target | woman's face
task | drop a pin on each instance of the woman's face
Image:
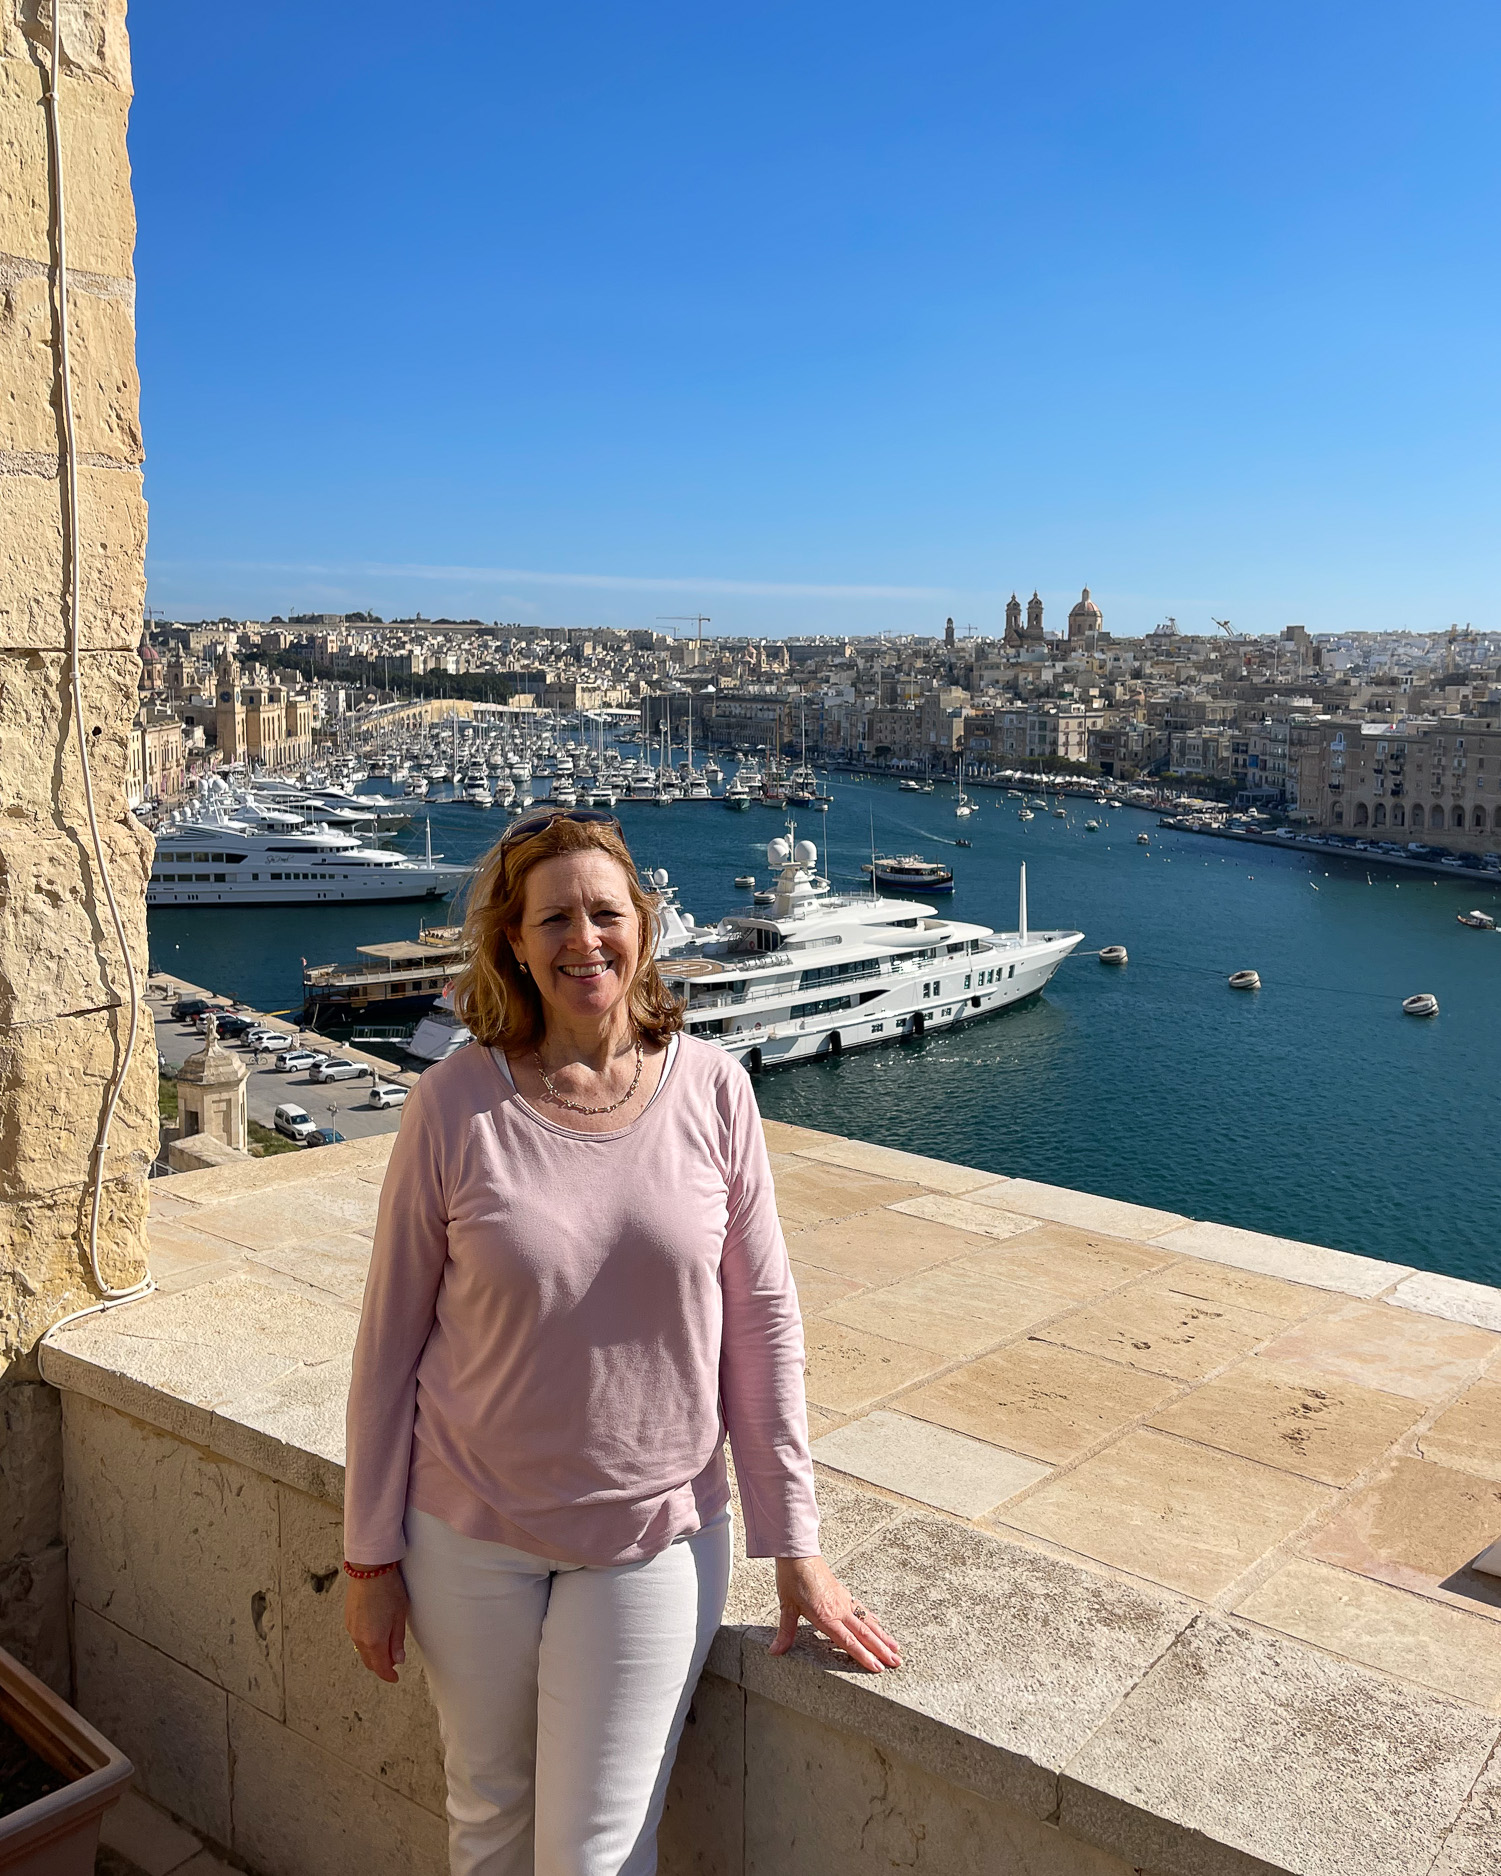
(580, 938)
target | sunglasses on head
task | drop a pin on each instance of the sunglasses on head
(534, 823)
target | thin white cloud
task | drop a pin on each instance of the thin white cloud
(521, 576)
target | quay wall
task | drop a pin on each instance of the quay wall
(62, 979)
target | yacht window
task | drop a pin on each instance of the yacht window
(276, 875)
(1012, 971)
(219, 879)
(966, 981)
(202, 859)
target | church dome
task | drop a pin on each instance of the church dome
(1085, 617)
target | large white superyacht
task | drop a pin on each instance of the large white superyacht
(212, 859)
(821, 972)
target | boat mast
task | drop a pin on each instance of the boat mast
(1021, 914)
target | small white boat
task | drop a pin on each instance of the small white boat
(1060, 814)
(1244, 980)
(1423, 1004)
(1091, 827)
(1113, 954)
(1025, 814)
(1477, 920)
(1143, 840)
(965, 807)
(745, 880)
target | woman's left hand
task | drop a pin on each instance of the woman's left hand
(808, 1588)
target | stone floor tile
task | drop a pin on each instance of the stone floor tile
(950, 1310)
(1419, 1525)
(1082, 1209)
(163, 1207)
(1273, 1751)
(1162, 1333)
(337, 1262)
(880, 1246)
(781, 1137)
(821, 1420)
(1179, 1515)
(1394, 1350)
(1049, 1403)
(1077, 1264)
(1391, 1629)
(943, 1209)
(1468, 1434)
(1479, 1304)
(812, 1194)
(179, 1240)
(1245, 1289)
(927, 1462)
(1473, 1846)
(146, 1836)
(265, 1220)
(940, 1175)
(1018, 1655)
(207, 1864)
(1284, 1418)
(1313, 1264)
(818, 1290)
(849, 1370)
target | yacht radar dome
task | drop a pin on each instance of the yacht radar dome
(778, 853)
(659, 878)
(805, 853)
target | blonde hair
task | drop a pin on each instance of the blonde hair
(495, 999)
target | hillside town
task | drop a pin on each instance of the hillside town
(1398, 730)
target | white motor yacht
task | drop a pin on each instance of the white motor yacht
(213, 859)
(821, 972)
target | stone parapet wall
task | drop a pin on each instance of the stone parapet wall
(62, 984)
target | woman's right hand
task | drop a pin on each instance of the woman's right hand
(375, 1614)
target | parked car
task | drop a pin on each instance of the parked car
(186, 1008)
(324, 1136)
(293, 1121)
(338, 1068)
(270, 1040)
(290, 1060)
(387, 1094)
(232, 1025)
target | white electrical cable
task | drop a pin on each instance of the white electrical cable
(111, 1296)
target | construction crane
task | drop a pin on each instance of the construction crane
(700, 619)
(1223, 624)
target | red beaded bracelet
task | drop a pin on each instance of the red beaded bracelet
(382, 1569)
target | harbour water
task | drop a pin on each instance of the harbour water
(1312, 1109)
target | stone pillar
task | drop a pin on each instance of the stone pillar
(211, 1099)
(62, 982)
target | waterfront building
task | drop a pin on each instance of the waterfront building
(158, 759)
(1435, 780)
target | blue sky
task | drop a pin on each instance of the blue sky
(824, 317)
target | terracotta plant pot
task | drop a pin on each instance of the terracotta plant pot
(57, 1835)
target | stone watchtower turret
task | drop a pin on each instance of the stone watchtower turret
(1034, 620)
(211, 1106)
(1013, 620)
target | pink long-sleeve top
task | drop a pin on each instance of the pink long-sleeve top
(559, 1328)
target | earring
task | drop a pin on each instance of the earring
(522, 968)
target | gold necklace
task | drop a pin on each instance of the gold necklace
(577, 1107)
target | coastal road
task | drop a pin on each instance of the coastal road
(268, 1089)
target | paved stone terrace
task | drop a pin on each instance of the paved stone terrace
(1176, 1521)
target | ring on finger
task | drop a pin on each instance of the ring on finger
(859, 1614)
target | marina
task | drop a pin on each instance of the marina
(1292, 1111)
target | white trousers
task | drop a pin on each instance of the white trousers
(561, 1693)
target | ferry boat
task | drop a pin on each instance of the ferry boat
(401, 979)
(820, 972)
(910, 872)
(214, 860)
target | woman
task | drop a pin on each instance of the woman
(578, 1286)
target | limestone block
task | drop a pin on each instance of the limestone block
(53, 1078)
(96, 170)
(171, 1723)
(94, 43)
(177, 1547)
(58, 952)
(391, 1733)
(199, 1150)
(1010, 1658)
(34, 1613)
(1241, 1745)
(1473, 1847)
(41, 776)
(111, 563)
(31, 1467)
(703, 1825)
(44, 1257)
(299, 1810)
(821, 1802)
(106, 388)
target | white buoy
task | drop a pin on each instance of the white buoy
(1423, 1004)
(1113, 954)
(1244, 980)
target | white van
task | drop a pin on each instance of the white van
(295, 1122)
(387, 1094)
